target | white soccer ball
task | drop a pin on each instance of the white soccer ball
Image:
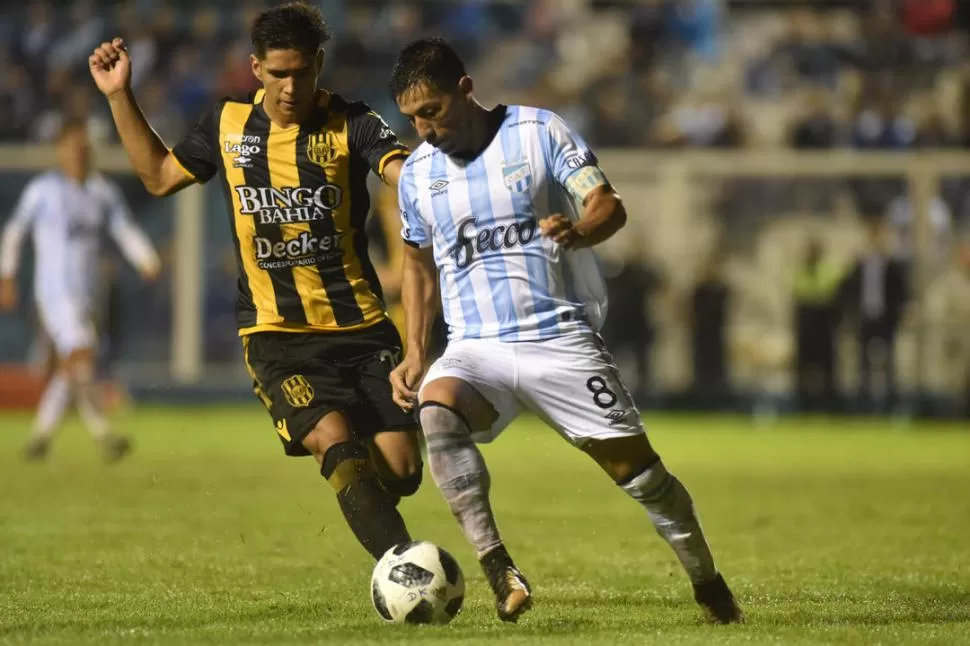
(417, 583)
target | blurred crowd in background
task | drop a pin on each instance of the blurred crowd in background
(648, 74)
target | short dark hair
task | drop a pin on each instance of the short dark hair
(429, 60)
(294, 25)
(69, 125)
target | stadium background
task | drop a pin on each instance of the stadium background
(831, 529)
(736, 132)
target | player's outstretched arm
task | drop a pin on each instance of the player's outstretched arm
(156, 166)
(604, 215)
(11, 241)
(419, 296)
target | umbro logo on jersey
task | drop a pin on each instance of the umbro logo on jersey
(615, 416)
(438, 186)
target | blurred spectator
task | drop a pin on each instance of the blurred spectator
(885, 47)
(628, 330)
(876, 293)
(17, 102)
(71, 49)
(696, 24)
(901, 219)
(934, 131)
(167, 120)
(78, 104)
(951, 307)
(815, 295)
(812, 56)
(816, 128)
(36, 36)
(710, 301)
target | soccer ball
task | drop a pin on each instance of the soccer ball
(417, 583)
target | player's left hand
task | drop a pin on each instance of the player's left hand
(8, 294)
(405, 379)
(150, 274)
(560, 229)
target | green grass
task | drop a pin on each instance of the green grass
(829, 532)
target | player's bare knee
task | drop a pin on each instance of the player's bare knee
(462, 398)
(622, 457)
(332, 429)
(397, 457)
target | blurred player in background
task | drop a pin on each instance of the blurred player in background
(67, 212)
(489, 202)
(293, 162)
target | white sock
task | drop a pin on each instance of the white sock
(671, 511)
(459, 470)
(53, 404)
(89, 408)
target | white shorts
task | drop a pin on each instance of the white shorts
(570, 382)
(68, 326)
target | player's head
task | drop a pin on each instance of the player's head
(432, 90)
(288, 56)
(73, 148)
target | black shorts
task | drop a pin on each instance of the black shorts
(300, 377)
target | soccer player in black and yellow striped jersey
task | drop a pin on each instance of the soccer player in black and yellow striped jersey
(292, 161)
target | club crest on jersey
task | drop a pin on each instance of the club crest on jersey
(298, 391)
(321, 148)
(517, 175)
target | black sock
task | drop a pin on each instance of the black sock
(370, 511)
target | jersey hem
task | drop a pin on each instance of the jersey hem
(185, 170)
(298, 328)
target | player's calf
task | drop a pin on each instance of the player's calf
(638, 470)
(368, 508)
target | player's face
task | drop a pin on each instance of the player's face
(74, 153)
(439, 117)
(289, 78)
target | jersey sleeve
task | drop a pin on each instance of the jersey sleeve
(372, 139)
(573, 163)
(17, 227)
(132, 241)
(196, 152)
(414, 229)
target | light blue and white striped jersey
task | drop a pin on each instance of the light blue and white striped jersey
(499, 278)
(68, 221)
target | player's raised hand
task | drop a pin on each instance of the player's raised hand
(560, 229)
(405, 380)
(111, 67)
(8, 294)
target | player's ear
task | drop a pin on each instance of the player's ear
(318, 60)
(465, 85)
(256, 66)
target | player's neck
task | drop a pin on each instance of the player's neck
(290, 120)
(484, 124)
(77, 175)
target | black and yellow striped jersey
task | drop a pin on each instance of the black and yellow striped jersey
(297, 200)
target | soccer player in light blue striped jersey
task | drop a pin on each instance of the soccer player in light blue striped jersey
(501, 209)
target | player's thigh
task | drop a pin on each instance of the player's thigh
(303, 392)
(476, 377)
(70, 330)
(573, 384)
(622, 457)
(396, 454)
(371, 356)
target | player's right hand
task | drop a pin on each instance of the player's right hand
(8, 294)
(111, 67)
(405, 379)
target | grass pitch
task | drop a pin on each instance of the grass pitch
(829, 531)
